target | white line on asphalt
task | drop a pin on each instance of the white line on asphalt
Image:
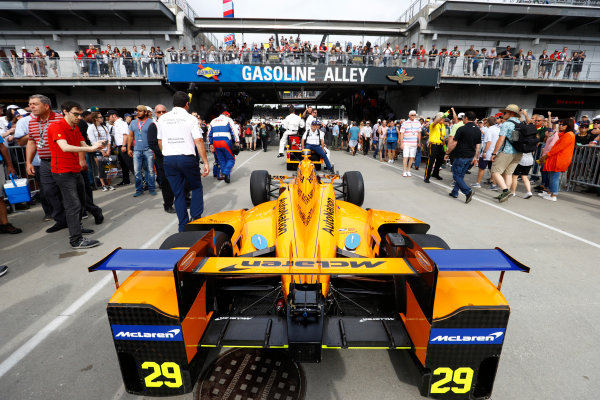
(32, 343)
(516, 214)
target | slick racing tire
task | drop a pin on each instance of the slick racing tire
(426, 240)
(354, 187)
(222, 243)
(260, 187)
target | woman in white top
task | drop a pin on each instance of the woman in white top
(97, 132)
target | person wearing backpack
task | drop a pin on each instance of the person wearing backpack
(505, 157)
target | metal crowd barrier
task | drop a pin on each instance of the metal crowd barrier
(585, 168)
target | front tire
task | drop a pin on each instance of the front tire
(354, 187)
(260, 187)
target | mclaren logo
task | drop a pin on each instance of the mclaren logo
(208, 72)
(302, 264)
(466, 336)
(400, 76)
(147, 332)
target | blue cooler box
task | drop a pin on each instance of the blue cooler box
(17, 190)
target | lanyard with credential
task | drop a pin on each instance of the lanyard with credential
(140, 129)
(42, 141)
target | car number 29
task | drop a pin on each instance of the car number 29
(461, 379)
(168, 370)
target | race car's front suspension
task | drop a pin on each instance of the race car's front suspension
(305, 313)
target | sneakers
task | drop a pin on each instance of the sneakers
(549, 197)
(86, 231)
(170, 210)
(227, 178)
(475, 185)
(3, 269)
(426, 180)
(469, 197)
(84, 243)
(55, 228)
(105, 188)
(528, 195)
(405, 174)
(408, 173)
(279, 155)
(138, 194)
(153, 193)
(110, 187)
(494, 187)
(98, 218)
(504, 196)
(8, 228)
(453, 196)
(439, 178)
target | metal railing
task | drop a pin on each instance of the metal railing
(497, 68)
(464, 67)
(42, 68)
(585, 168)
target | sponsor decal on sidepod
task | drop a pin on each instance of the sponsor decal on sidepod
(467, 336)
(147, 332)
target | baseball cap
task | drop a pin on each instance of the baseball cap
(126, 115)
(226, 113)
(111, 112)
(149, 109)
(596, 118)
(140, 108)
(94, 109)
(498, 115)
(461, 115)
(47, 46)
(11, 107)
(22, 112)
(316, 122)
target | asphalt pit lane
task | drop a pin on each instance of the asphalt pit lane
(245, 374)
(71, 254)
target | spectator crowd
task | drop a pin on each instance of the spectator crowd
(109, 61)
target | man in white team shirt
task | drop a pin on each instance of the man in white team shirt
(410, 141)
(314, 139)
(120, 131)
(291, 124)
(178, 138)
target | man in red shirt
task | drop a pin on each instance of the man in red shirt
(66, 142)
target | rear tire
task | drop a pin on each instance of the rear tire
(426, 240)
(260, 187)
(354, 187)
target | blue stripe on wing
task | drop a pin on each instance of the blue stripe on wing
(475, 260)
(139, 260)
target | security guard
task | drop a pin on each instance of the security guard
(178, 138)
(437, 134)
(291, 124)
(314, 139)
(221, 135)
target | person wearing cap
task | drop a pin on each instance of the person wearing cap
(292, 123)
(465, 146)
(504, 157)
(120, 131)
(437, 136)
(53, 57)
(222, 133)
(139, 149)
(314, 139)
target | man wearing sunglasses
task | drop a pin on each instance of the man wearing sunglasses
(66, 143)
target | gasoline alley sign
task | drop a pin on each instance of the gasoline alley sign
(300, 74)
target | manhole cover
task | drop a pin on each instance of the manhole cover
(252, 374)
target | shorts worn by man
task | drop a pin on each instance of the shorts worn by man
(66, 143)
(504, 157)
(179, 136)
(410, 140)
(353, 135)
(314, 139)
(464, 147)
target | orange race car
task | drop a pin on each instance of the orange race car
(308, 269)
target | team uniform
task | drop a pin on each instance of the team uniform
(437, 134)
(221, 135)
(291, 124)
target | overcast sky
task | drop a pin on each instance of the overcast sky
(370, 10)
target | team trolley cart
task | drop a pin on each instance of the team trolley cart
(345, 279)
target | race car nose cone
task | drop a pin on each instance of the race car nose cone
(352, 241)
